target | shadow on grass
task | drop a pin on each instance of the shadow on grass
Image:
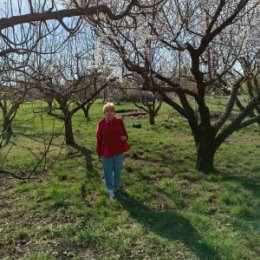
(7, 138)
(88, 157)
(251, 184)
(169, 225)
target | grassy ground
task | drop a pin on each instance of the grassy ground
(166, 210)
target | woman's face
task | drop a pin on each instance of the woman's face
(109, 113)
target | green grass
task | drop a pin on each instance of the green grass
(166, 210)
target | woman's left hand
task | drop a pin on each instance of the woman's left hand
(123, 138)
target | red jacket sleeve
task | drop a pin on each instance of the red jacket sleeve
(98, 139)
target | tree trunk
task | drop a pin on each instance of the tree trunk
(205, 159)
(151, 117)
(49, 106)
(7, 128)
(86, 112)
(206, 150)
(68, 130)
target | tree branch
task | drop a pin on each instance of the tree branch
(57, 15)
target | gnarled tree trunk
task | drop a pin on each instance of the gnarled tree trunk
(151, 119)
(69, 137)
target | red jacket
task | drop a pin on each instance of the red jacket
(108, 142)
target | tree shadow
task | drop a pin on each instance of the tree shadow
(87, 154)
(169, 225)
(7, 138)
(59, 117)
(251, 184)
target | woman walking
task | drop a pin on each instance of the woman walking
(111, 143)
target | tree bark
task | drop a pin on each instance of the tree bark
(86, 114)
(206, 150)
(205, 158)
(69, 137)
(86, 109)
(49, 106)
(7, 128)
(151, 119)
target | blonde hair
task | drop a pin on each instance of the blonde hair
(107, 106)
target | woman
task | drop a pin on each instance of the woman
(111, 143)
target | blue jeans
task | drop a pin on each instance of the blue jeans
(112, 167)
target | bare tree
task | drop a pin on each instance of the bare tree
(84, 93)
(69, 77)
(12, 94)
(149, 105)
(10, 101)
(149, 101)
(195, 41)
(250, 69)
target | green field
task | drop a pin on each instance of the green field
(166, 209)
